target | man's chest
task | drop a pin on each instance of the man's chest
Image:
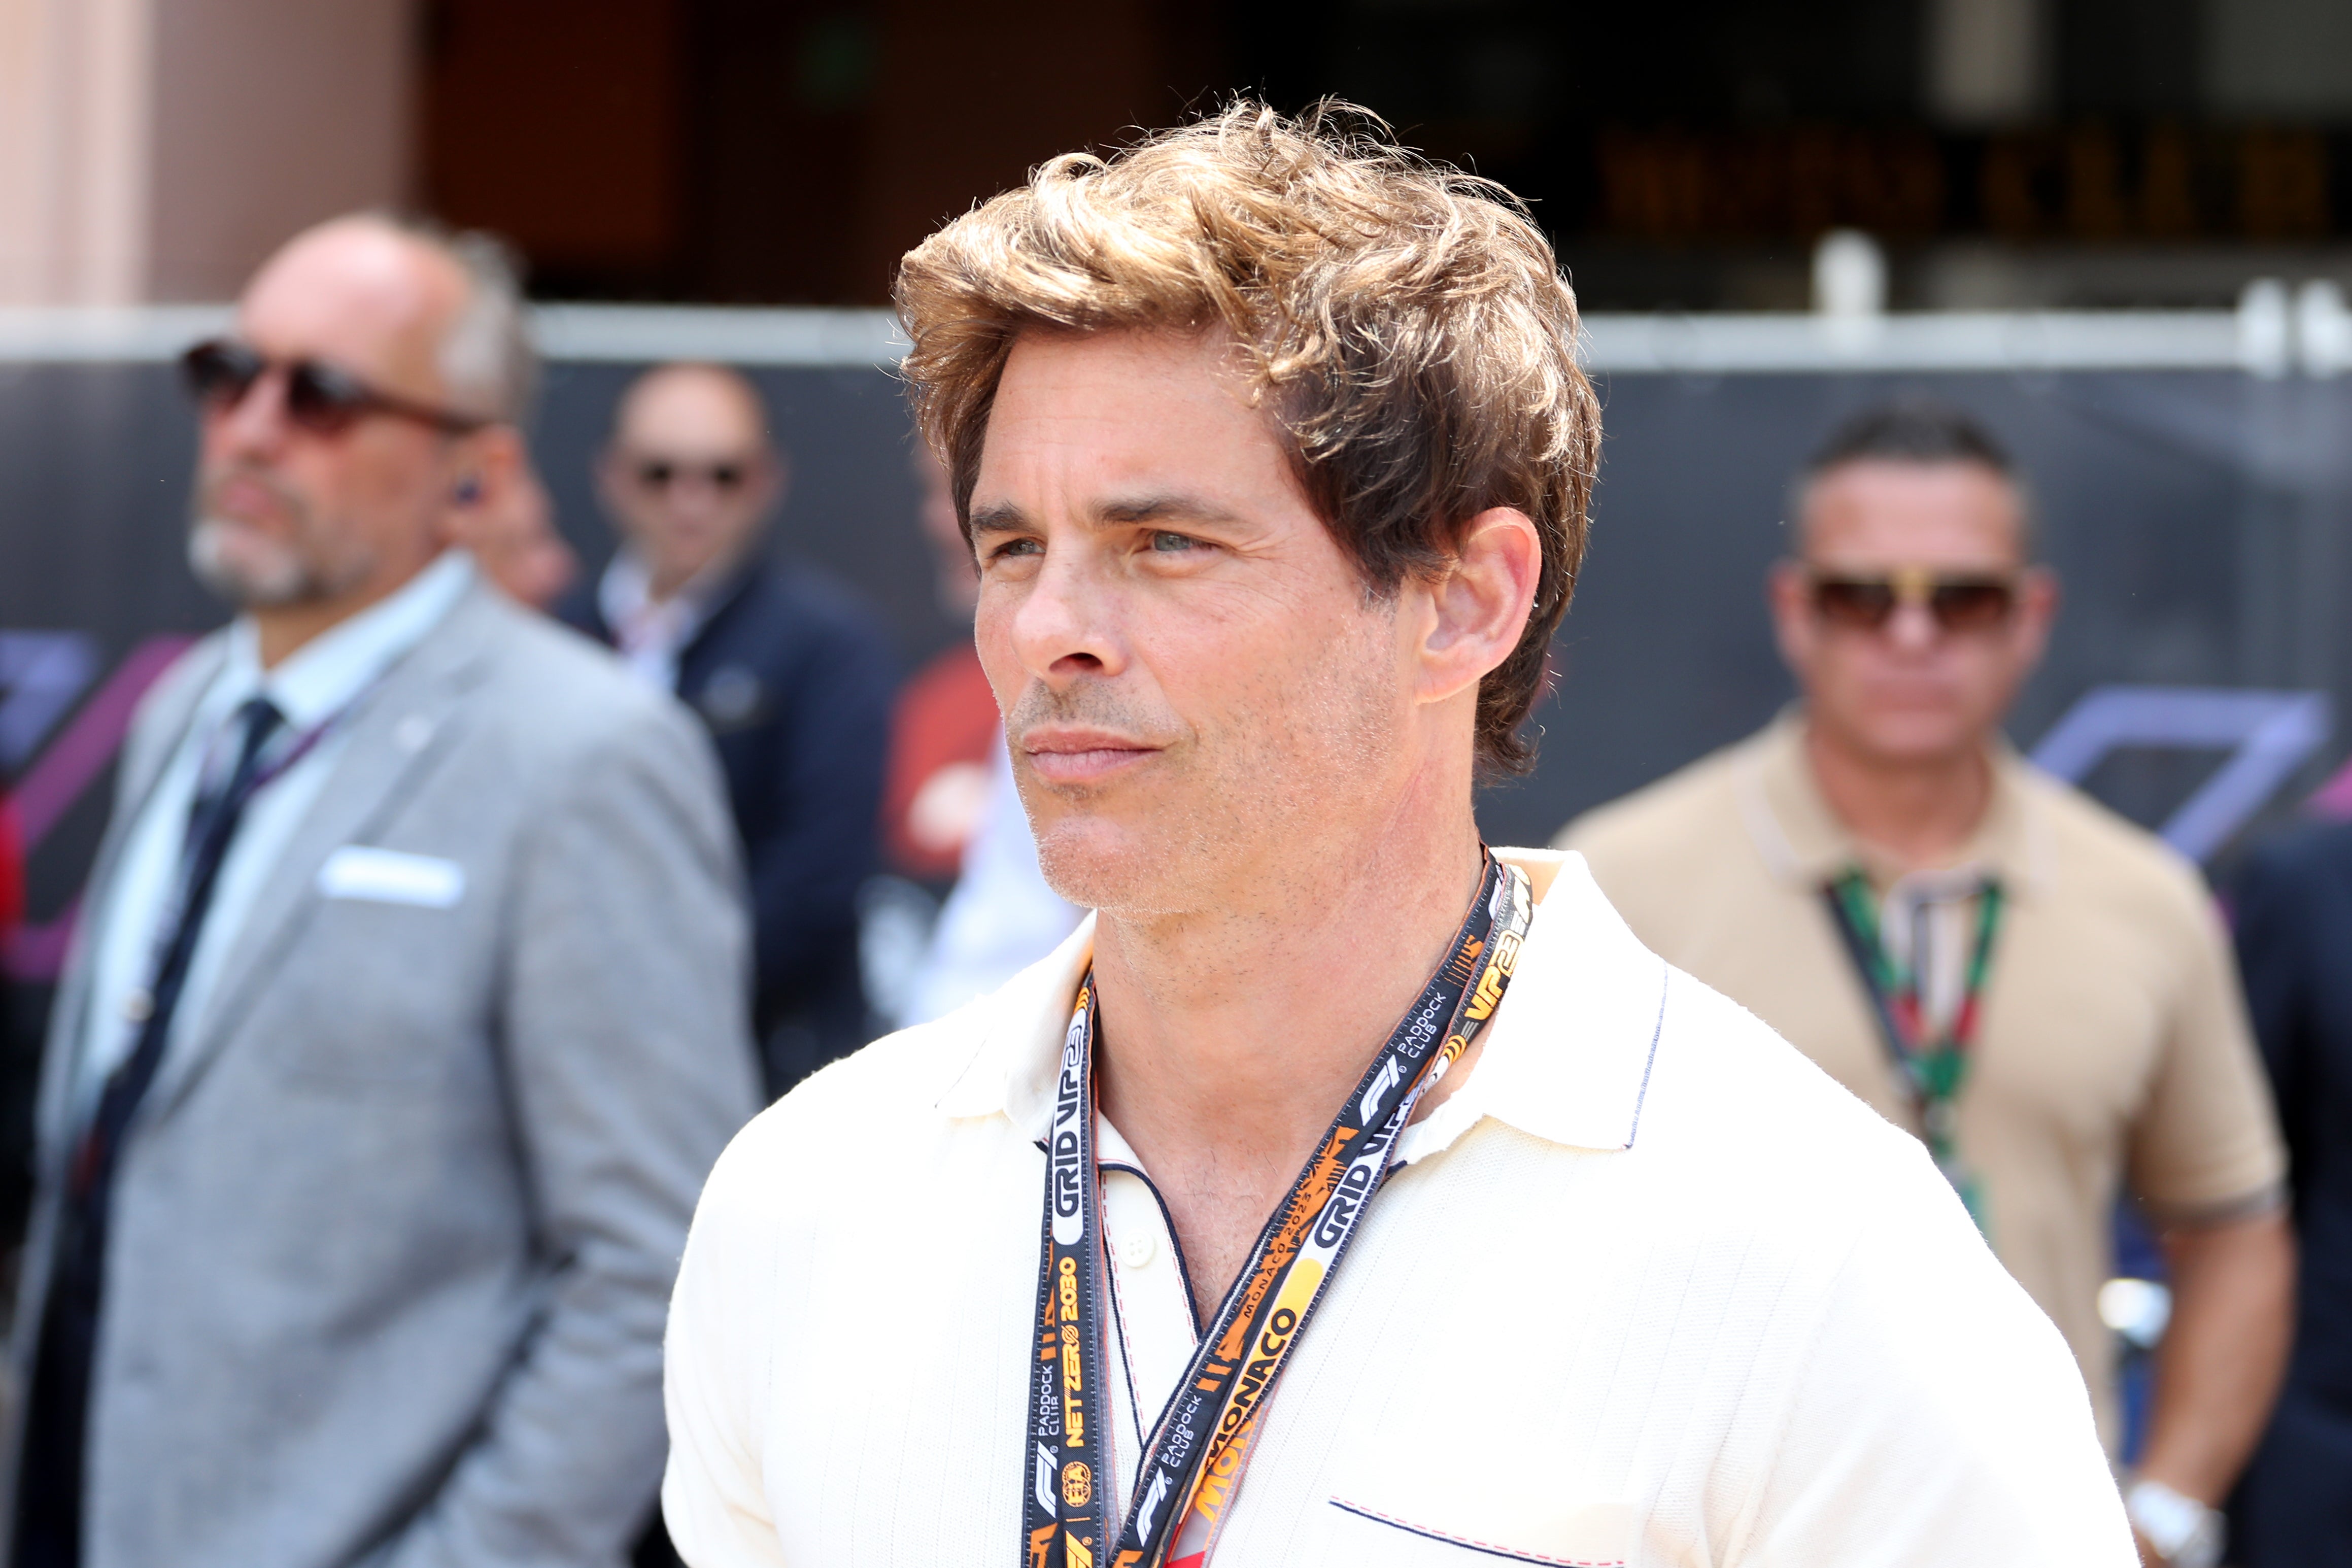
(1472, 1383)
(2074, 1008)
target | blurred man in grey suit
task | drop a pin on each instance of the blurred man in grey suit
(406, 1014)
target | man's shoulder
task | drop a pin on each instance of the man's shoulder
(1746, 1173)
(875, 1098)
(2097, 854)
(782, 613)
(1661, 819)
(180, 685)
(1732, 1101)
(554, 689)
(1669, 854)
(1613, 1048)
(1881, 1325)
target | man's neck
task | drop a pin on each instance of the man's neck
(284, 630)
(1231, 1039)
(1922, 811)
(667, 580)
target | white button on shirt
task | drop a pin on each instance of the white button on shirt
(312, 685)
(1649, 1288)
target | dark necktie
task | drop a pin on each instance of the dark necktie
(49, 1484)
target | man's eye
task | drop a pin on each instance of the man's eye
(1166, 542)
(1013, 547)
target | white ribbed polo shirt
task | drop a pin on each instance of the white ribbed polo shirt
(1650, 1288)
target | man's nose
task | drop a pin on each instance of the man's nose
(1062, 627)
(1913, 628)
(256, 424)
(696, 495)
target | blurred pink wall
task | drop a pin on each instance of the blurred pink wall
(158, 149)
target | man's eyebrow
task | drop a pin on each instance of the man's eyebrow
(1165, 508)
(999, 517)
(1005, 517)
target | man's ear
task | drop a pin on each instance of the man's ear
(490, 463)
(1480, 603)
(2038, 600)
(1792, 626)
(774, 480)
(612, 473)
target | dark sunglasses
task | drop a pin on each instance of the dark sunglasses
(319, 398)
(1960, 604)
(661, 473)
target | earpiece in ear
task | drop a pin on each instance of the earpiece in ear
(468, 491)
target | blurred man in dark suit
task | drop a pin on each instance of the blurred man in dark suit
(2294, 1509)
(793, 680)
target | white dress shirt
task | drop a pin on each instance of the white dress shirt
(316, 684)
(1648, 1289)
(650, 634)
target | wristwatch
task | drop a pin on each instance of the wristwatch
(2184, 1531)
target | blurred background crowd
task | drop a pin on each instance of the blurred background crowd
(2094, 253)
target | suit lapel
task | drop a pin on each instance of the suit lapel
(146, 756)
(396, 737)
(176, 709)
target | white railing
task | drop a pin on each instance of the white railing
(2271, 333)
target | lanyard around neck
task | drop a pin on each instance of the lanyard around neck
(291, 752)
(1193, 1463)
(1934, 1067)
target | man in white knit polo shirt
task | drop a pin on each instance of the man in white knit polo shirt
(1342, 1192)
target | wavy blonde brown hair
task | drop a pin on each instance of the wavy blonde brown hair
(1404, 324)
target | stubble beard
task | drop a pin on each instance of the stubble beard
(1241, 815)
(252, 571)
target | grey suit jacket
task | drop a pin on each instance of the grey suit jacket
(394, 1228)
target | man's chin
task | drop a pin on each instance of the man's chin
(250, 572)
(1917, 740)
(1099, 863)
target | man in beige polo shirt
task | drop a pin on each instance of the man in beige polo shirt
(2050, 1001)
(1342, 1192)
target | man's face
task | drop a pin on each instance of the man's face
(286, 516)
(1921, 686)
(689, 475)
(1197, 686)
(514, 542)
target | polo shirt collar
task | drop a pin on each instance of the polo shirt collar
(1566, 1058)
(1568, 1054)
(1021, 1028)
(1801, 840)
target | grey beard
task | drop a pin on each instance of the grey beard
(264, 575)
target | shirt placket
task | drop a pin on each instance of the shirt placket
(1151, 1330)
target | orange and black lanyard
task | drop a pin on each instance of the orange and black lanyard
(1192, 1462)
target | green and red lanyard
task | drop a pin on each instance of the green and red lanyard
(1192, 1465)
(1934, 1067)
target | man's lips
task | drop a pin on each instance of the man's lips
(1059, 756)
(244, 499)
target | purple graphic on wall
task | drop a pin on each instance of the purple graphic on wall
(2268, 735)
(65, 770)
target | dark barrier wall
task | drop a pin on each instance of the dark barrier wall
(2198, 520)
